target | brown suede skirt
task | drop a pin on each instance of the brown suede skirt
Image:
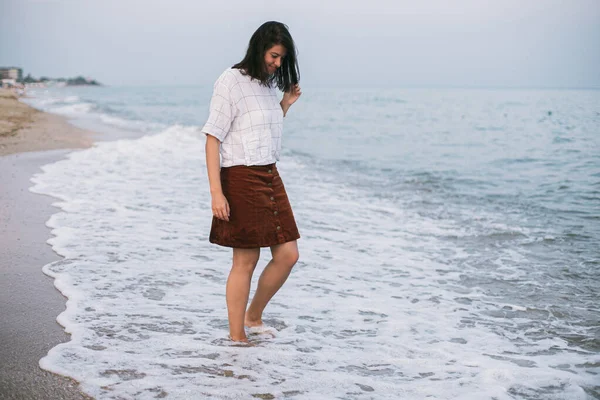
(260, 212)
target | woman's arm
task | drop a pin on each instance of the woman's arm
(220, 206)
(290, 98)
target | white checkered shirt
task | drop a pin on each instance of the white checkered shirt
(247, 118)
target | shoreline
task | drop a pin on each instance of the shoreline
(29, 302)
(24, 128)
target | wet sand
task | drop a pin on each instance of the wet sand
(29, 302)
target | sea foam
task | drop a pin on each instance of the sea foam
(377, 307)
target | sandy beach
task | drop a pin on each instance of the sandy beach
(23, 129)
(29, 302)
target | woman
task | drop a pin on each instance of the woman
(243, 142)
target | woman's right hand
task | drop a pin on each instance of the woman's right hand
(220, 206)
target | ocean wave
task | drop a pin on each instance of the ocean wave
(417, 273)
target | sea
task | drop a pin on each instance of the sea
(450, 247)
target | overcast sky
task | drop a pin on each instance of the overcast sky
(507, 43)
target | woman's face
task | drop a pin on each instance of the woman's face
(273, 58)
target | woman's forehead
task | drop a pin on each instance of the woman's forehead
(279, 49)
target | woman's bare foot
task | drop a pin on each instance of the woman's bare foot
(252, 322)
(241, 339)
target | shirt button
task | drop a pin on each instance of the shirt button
(272, 198)
(269, 184)
(275, 213)
(278, 228)
(270, 171)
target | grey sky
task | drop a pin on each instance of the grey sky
(508, 43)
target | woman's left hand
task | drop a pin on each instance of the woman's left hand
(292, 95)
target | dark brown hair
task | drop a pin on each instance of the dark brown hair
(266, 36)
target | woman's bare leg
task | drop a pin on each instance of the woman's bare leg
(274, 275)
(238, 290)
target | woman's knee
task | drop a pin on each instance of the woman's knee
(287, 254)
(293, 256)
(245, 259)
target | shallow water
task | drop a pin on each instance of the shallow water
(449, 249)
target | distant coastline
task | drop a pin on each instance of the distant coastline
(76, 81)
(12, 78)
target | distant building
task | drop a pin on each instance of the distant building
(6, 83)
(11, 73)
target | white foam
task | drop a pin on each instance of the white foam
(72, 110)
(72, 106)
(375, 307)
(141, 126)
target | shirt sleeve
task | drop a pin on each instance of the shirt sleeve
(221, 112)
